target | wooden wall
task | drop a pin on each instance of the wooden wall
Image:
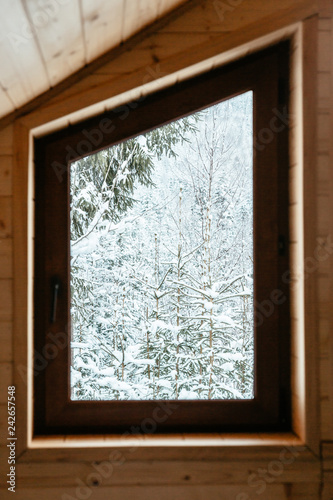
(206, 472)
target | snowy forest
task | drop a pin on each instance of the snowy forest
(162, 262)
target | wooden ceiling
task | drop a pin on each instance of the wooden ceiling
(42, 42)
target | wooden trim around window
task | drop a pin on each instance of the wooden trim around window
(267, 74)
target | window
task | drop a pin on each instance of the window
(260, 82)
(162, 262)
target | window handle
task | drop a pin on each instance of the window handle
(55, 291)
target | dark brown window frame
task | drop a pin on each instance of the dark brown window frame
(267, 75)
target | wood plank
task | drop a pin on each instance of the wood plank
(21, 291)
(329, 434)
(323, 174)
(58, 30)
(5, 216)
(324, 51)
(3, 425)
(6, 300)
(199, 52)
(324, 90)
(6, 141)
(325, 8)
(137, 15)
(325, 126)
(6, 104)
(325, 333)
(6, 351)
(327, 493)
(304, 491)
(89, 450)
(166, 492)
(327, 454)
(6, 175)
(165, 6)
(6, 381)
(119, 472)
(220, 16)
(6, 248)
(112, 54)
(310, 216)
(324, 24)
(22, 70)
(324, 137)
(102, 26)
(144, 60)
(324, 378)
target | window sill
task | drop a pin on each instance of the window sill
(187, 459)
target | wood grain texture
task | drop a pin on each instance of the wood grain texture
(137, 15)
(23, 73)
(115, 75)
(6, 175)
(58, 32)
(6, 352)
(166, 492)
(5, 216)
(6, 381)
(7, 140)
(119, 472)
(310, 216)
(6, 300)
(225, 17)
(144, 449)
(6, 104)
(22, 293)
(179, 57)
(6, 257)
(3, 425)
(325, 226)
(35, 26)
(328, 414)
(102, 26)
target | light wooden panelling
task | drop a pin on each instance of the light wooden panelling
(126, 72)
(323, 180)
(20, 320)
(137, 15)
(23, 73)
(3, 426)
(6, 141)
(44, 42)
(310, 28)
(6, 381)
(102, 25)
(324, 90)
(165, 53)
(165, 6)
(6, 104)
(324, 224)
(6, 351)
(5, 175)
(119, 472)
(220, 16)
(327, 454)
(5, 216)
(59, 34)
(324, 54)
(164, 47)
(6, 301)
(6, 257)
(228, 492)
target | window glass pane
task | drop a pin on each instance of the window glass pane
(162, 262)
